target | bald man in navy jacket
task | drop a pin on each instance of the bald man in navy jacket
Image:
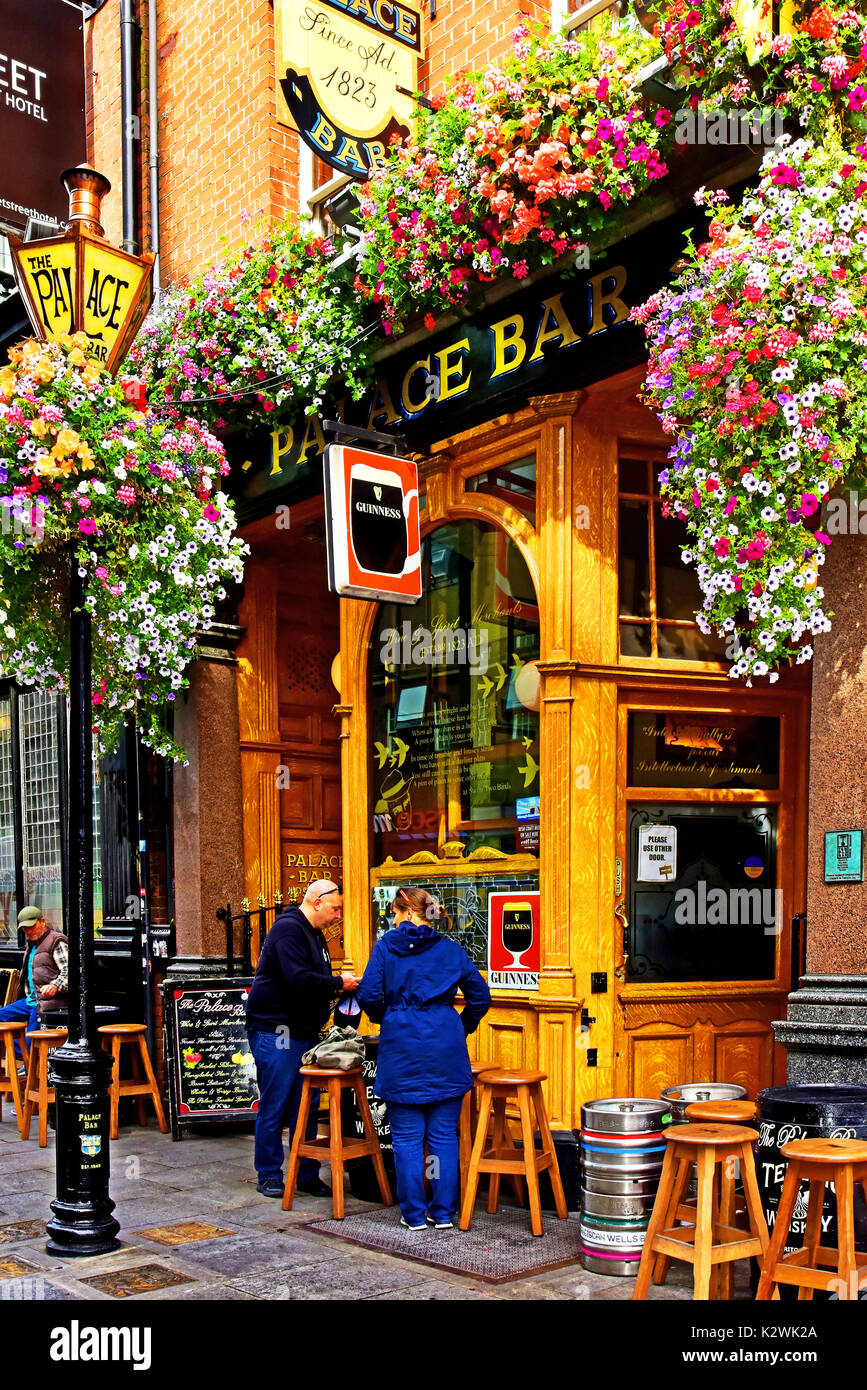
(288, 1005)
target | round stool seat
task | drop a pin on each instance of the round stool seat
(512, 1078)
(734, 1112)
(826, 1150)
(47, 1035)
(14, 1026)
(330, 1071)
(701, 1134)
(477, 1067)
(125, 1028)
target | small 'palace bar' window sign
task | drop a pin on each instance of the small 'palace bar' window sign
(844, 856)
(344, 68)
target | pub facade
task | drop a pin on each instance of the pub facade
(548, 719)
(546, 715)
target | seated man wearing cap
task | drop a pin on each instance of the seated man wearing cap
(44, 979)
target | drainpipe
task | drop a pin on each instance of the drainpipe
(130, 126)
(153, 143)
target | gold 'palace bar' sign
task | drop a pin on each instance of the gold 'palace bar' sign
(340, 67)
(79, 282)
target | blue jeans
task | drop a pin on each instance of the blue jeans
(20, 1010)
(278, 1060)
(410, 1126)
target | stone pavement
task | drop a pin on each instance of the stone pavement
(255, 1251)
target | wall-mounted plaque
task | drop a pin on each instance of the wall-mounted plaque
(844, 856)
(341, 65)
(694, 749)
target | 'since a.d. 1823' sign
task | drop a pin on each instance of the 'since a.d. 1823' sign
(340, 65)
(372, 528)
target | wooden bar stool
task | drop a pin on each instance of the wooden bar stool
(133, 1035)
(338, 1148)
(817, 1161)
(723, 1112)
(709, 1240)
(10, 1082)
(495, 1089)
(37, 1091)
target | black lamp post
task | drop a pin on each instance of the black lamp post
(79, 282)
(82, 1223)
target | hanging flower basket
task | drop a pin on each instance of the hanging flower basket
(815, 70)
(758, 367)
(137, 501)
(514, 168)
(272, 323)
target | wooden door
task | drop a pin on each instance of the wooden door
(290, 750)
(670, 1030)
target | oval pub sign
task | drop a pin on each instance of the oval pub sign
(344, 68)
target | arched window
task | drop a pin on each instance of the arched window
(455, 698)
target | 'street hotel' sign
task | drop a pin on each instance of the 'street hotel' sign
(339, 66)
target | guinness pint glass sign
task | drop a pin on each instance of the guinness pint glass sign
(371, 504)
(513, 940)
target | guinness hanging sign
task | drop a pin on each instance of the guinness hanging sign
(371, 508)
(341, 65)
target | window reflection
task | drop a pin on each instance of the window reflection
(514, 483)
(455, 730)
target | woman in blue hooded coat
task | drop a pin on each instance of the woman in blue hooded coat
(423, 1067)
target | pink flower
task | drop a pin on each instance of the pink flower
(88, 525)
(809, 504)
(211, 513)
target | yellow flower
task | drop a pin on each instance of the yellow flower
(46, 467)
(91, 374)
(86, 456)
(80, 340)
(77, 357)
(44, 369)
(67, 441)
(39, 428)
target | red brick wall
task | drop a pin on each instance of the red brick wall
(221, 152)
(470, 34)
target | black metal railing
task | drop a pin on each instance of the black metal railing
(262, 916)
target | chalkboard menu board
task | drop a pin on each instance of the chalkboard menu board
(212, 1074)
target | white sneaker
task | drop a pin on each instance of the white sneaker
(439, 1225)
(422, 1227)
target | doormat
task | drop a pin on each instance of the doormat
(495, 1249)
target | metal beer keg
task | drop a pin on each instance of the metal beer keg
(622, 1150)
(609, 1246)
